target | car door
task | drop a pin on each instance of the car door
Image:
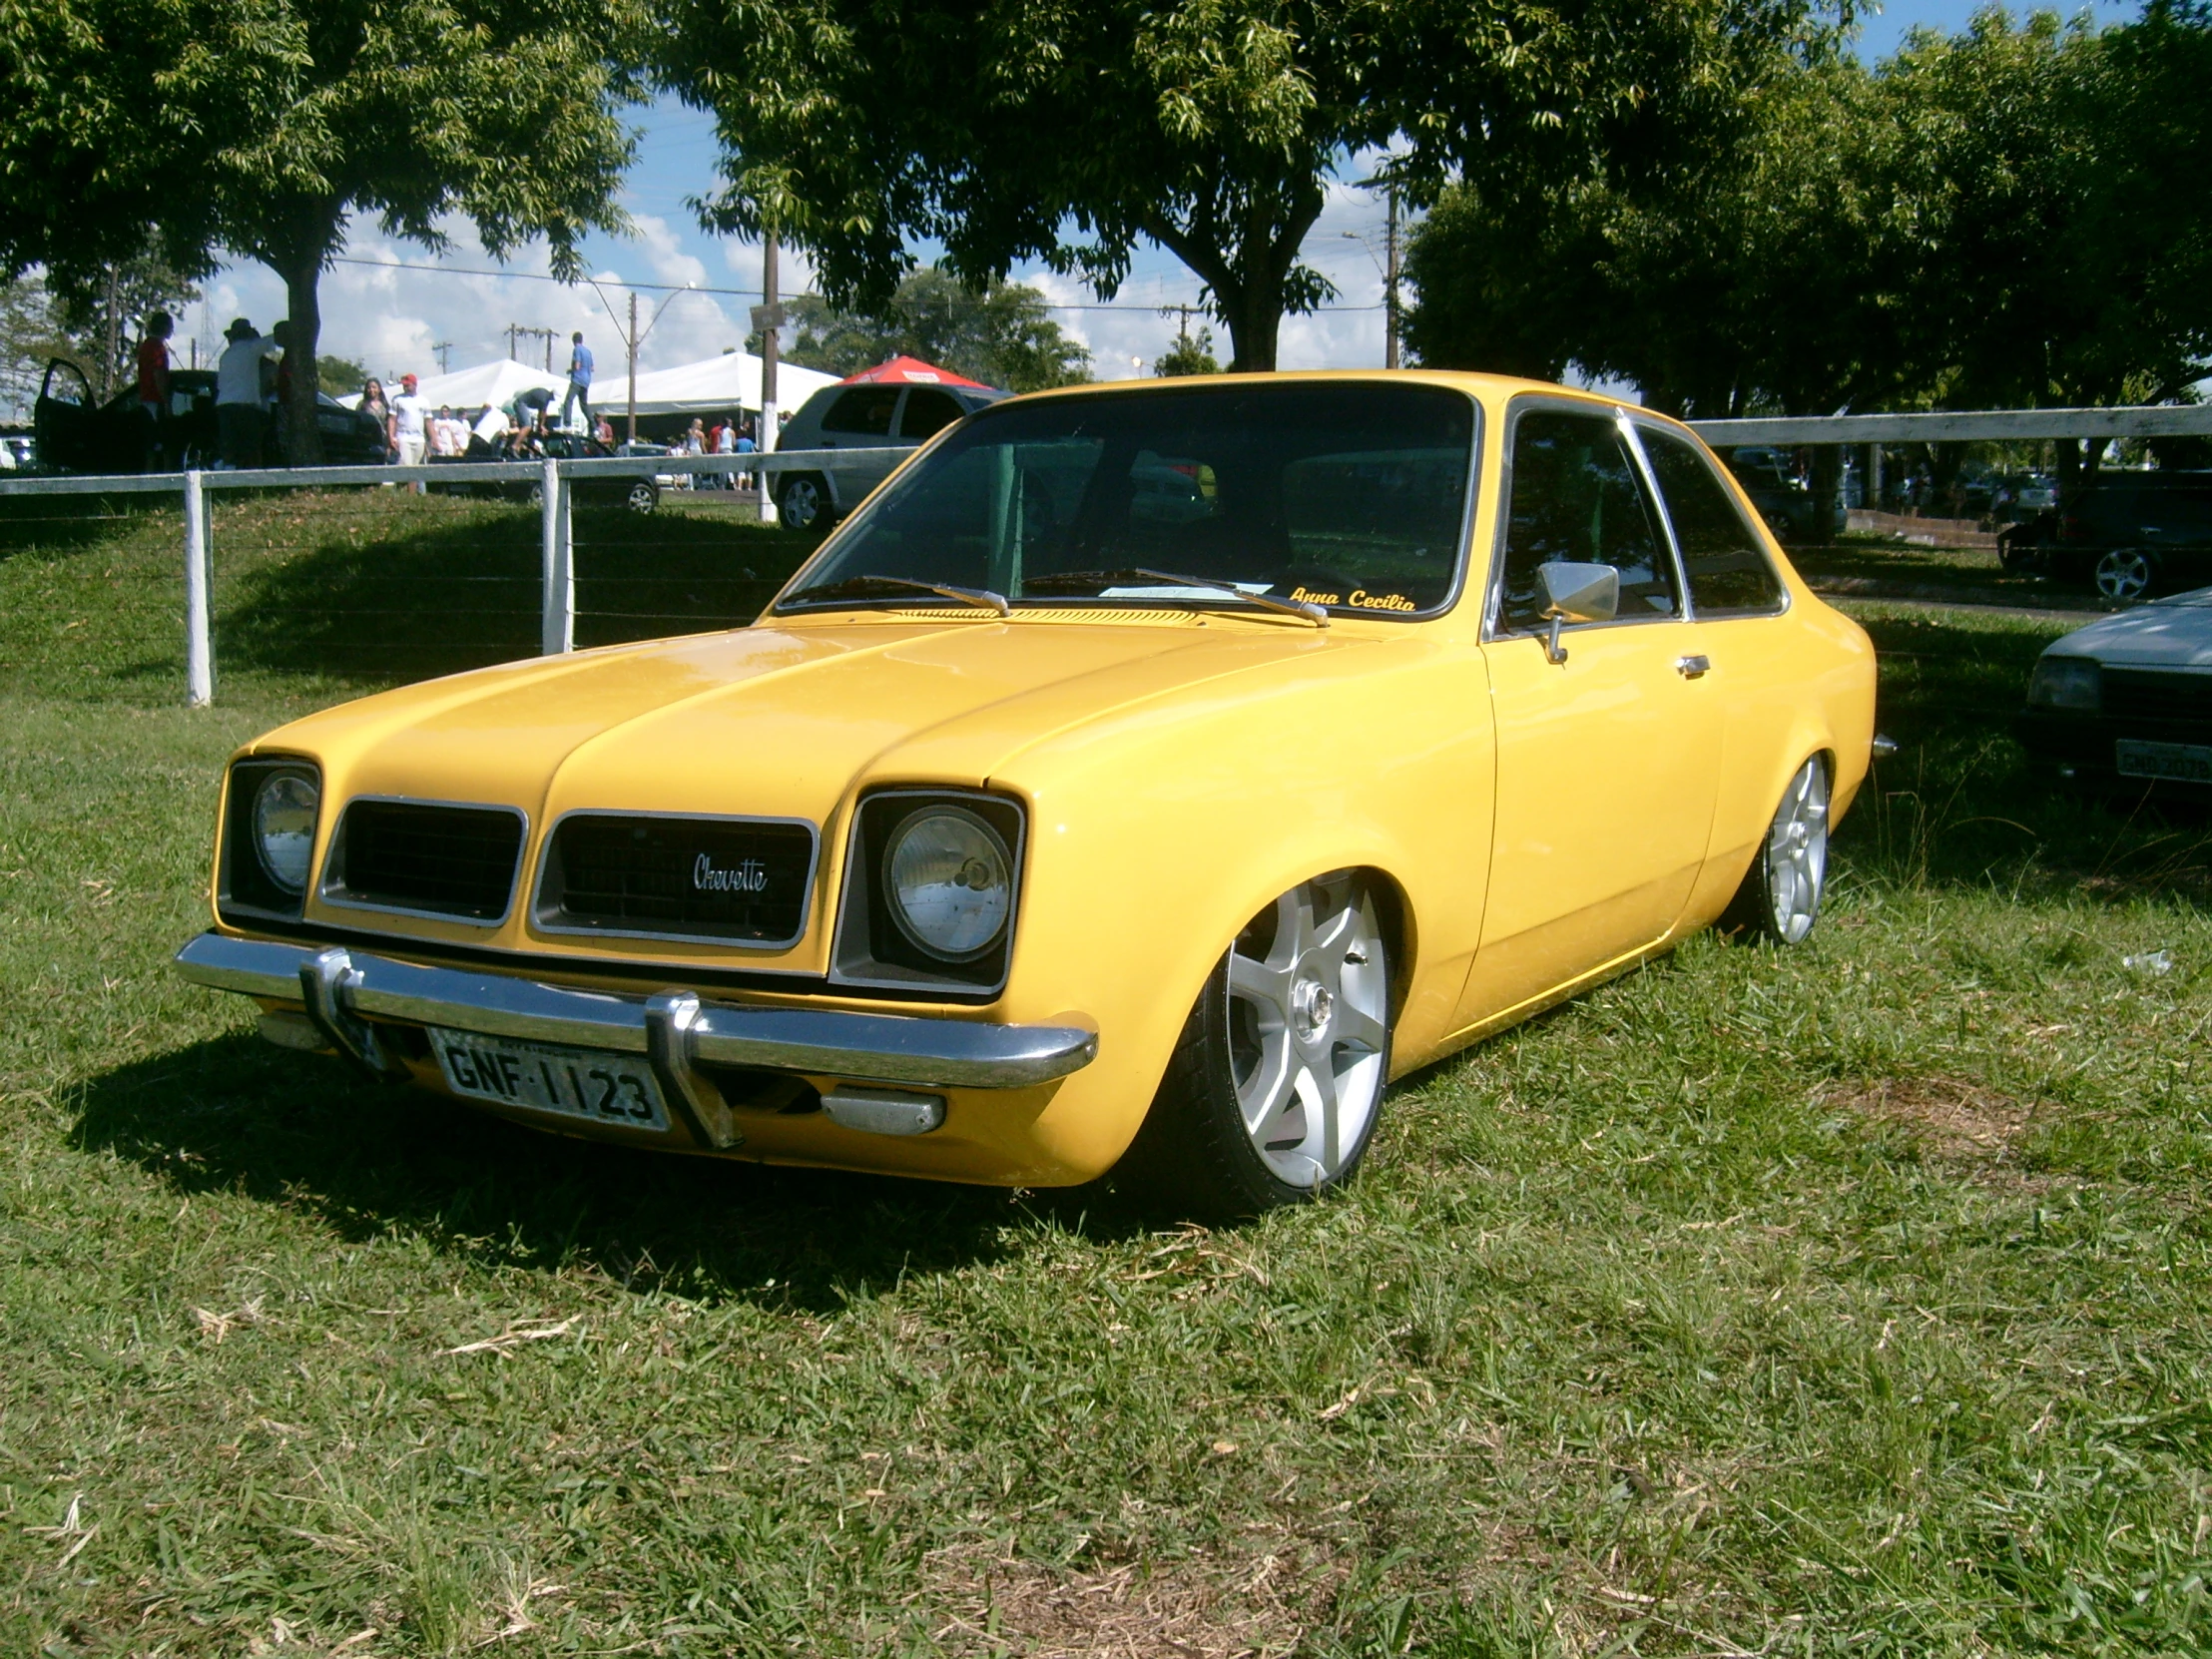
(860, 418)
(1606, 762)
(63, 420)
(1737, 599)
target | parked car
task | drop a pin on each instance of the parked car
(76, 434)
(16, 452)
(1770, 479)
(639, 493)
(885, 416)
(2128, 701)
(2127, 534)
(1056, 819)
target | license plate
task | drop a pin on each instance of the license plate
(2189, 763)
(583, 1083)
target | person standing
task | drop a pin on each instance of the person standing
(579, 379)
(153, 385)
(377, 408)
(237, 394)
(409, 424)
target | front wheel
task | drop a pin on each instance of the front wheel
(1780, 898)
(2126, 574)
(1271, 1095)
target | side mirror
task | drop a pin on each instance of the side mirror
(1576, 593)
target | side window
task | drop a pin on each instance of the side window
(928, 411)
(1727, 570)
(1576, 497)
(864, 411)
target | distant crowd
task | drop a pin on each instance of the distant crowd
(252, 392)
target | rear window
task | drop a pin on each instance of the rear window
(929, 411)
(1721, 555)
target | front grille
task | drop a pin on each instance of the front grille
(443, 861)
(2159, 699)
(745, 881)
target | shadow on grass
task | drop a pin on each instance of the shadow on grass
(409, 596)
(66, 523)
(235, 1115)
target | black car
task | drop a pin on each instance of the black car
(636, 491)
(1770, 478)
(2127, 534)
(76, 434)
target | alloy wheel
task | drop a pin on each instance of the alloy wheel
(1308, 987)
(2125, 573)
(801, 504)
(1796, 853)
(644, 496)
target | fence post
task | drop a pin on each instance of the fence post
(557, 629)
(198, 649)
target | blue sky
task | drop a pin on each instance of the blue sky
(392, 317)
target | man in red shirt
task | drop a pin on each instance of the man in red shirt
(153, 387)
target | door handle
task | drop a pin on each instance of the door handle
(1693, 667)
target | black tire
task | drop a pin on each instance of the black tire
(644, 495)
(1193, 1156)
(804, 503)
(1773, 903)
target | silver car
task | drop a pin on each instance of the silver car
(868, 417)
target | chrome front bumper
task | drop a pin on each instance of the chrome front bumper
(675, 1029)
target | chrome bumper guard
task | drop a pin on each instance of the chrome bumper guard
(674, 1029)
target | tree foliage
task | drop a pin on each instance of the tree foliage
(280, 121)
(1003, 338)
(1211, 128)
(1190, 355)
(2021, 214)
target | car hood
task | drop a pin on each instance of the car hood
(2175, 631)
(773, 720)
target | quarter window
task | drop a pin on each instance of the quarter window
(928, 411)
(864, 411)
(1576, 497)
(1727, 568)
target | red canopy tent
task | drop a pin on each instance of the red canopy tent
(910, 372)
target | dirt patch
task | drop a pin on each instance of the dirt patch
(1953, 1119)
(1200, 1609)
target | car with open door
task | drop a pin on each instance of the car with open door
(78, 434)
(1134, 784)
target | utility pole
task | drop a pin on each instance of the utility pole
(521, 331)
(444, 349)
(1390, 281)
(632, 342)
(767, 319)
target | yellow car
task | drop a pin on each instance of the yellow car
(1137, 782)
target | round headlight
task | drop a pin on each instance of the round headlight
(951, 882)
(283, 828)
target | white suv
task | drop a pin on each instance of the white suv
(865, 417)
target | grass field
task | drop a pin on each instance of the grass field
(1851, 1300)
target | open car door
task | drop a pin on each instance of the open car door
(62, 421)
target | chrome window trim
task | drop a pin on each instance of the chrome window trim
(852, 523)
(1637, 426)
(535, 924)
(1524, 403)
(338, 832)
(846, 890)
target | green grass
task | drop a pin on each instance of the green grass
(1851, 1300)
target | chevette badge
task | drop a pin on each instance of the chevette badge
(749, 877)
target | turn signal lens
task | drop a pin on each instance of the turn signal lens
(2075, 684)
(283, 828)
(951, 882)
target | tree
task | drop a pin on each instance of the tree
(281, 120)
(339, 376)
(1188, 355)
(98, 332)
(1210, 128)
(1003, 338)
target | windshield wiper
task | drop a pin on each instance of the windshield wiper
(854, 586)
(1096, 580)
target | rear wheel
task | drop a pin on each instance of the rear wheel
(644, 495)
(1780, 898)
(1271, 1096)
(2126, 573)
(804, 503)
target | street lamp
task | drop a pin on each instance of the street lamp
(633, 337)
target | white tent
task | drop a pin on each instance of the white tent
(717, 385)
(498, 381)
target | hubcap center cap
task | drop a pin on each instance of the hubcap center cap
(1311, 1006)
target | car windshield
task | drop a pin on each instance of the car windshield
(1347, 495)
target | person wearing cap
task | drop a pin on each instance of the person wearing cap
(409, 424)
(238, 417)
